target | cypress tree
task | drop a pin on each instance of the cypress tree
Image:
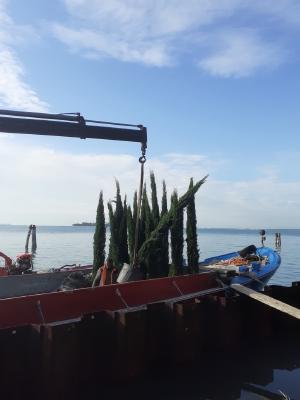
(191, 234)
(154, 202)
(164, 235)
(156, 268)
(167, 220)
(134, 209)
(141, 236)
(116, 222)
(177, 236)
(123, 242)
(131, 230)
(154, 256)
(113, 247)
(147, 215)
(146, 229)
(99, 236)
(142, 225)
(118, 214)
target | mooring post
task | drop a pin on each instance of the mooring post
(33, 238)
(262, 233)
(277, 240)
(27, 238)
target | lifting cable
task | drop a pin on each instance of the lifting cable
(142, 161)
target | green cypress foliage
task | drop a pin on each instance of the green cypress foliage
(147, 227)
(117, 227)
(99, 236)
(134, 209)
(131, 230)
(142, 226)
(166, 221)
(141, 235)
(156, 268)
(118, 215)
(191, 234)
(142, 230)
(152, 260)
(147, 215)
(113, 247)
(154, 202)
(164, 235)
(123, 242)
(177, 236)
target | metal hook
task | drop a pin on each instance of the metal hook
(142, 159)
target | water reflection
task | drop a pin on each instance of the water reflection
(253, 373)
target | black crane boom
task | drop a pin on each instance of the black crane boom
(69, 126)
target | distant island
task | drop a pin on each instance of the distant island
(85, 224)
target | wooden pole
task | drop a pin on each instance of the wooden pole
(33, 239)
(27, 239)
(268, 301)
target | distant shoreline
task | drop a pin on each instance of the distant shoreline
(85, 224)
(199, 228)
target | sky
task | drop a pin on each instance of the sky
(216, 83)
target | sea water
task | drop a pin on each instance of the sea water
(60, 245)
(258, 375)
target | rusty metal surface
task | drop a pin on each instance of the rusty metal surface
(60, 306)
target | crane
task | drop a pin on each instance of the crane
(75, 125)
(70, 125)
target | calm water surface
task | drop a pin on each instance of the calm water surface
(257, 376)
(68, 244)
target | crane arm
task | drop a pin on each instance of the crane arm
(69, 126)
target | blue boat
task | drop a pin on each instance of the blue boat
(251, 267)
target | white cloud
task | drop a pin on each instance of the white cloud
(96, 44)
(43, 186)
(239, 54)
(287, 11)
(258, 203)
(158, 33)
(14, 91)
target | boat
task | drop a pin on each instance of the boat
(20, 279)
(216, 274)
(38, 282)
(70, 305)
(251, 267)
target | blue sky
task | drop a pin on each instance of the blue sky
(215, 82)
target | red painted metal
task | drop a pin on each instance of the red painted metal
(60, 306)
(8, 263)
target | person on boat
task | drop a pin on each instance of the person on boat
(106, 275)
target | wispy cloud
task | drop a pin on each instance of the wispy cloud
(62, 188)
(160, 33)
(14, 91)
(240, 53)
(96, 44)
